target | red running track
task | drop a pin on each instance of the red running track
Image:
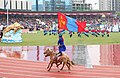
(15, 68)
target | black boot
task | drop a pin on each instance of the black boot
(107, 35)
(102, 35)
(59, 54)
(70, 35)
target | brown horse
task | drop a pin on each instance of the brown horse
(62, 59)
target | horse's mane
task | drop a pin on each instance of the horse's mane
(49, 49)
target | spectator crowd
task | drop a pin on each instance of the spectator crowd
(50, 24)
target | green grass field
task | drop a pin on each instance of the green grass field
(38, 39)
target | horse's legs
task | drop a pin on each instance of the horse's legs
(50, 66)
(59, 64)
(63, 65)
(69, 62)
(71, 65)
(68, 65)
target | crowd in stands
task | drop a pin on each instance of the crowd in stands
(50, 24)
(29, 22)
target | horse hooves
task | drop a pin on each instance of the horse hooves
(68, 72)
(61, 69)
(48, 70)
(58, 71)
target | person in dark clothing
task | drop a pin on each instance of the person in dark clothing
(1, 34)
(107, 33)
(61, 45)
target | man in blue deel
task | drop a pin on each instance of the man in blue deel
(61, 45)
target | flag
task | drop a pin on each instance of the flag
(62, 21)
(70, 24)
(81, 26)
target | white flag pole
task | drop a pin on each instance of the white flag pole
(7, 14)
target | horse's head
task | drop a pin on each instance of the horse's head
(48, 52)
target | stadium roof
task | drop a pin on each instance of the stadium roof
(23, 12)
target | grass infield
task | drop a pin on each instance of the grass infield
(38, 39)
